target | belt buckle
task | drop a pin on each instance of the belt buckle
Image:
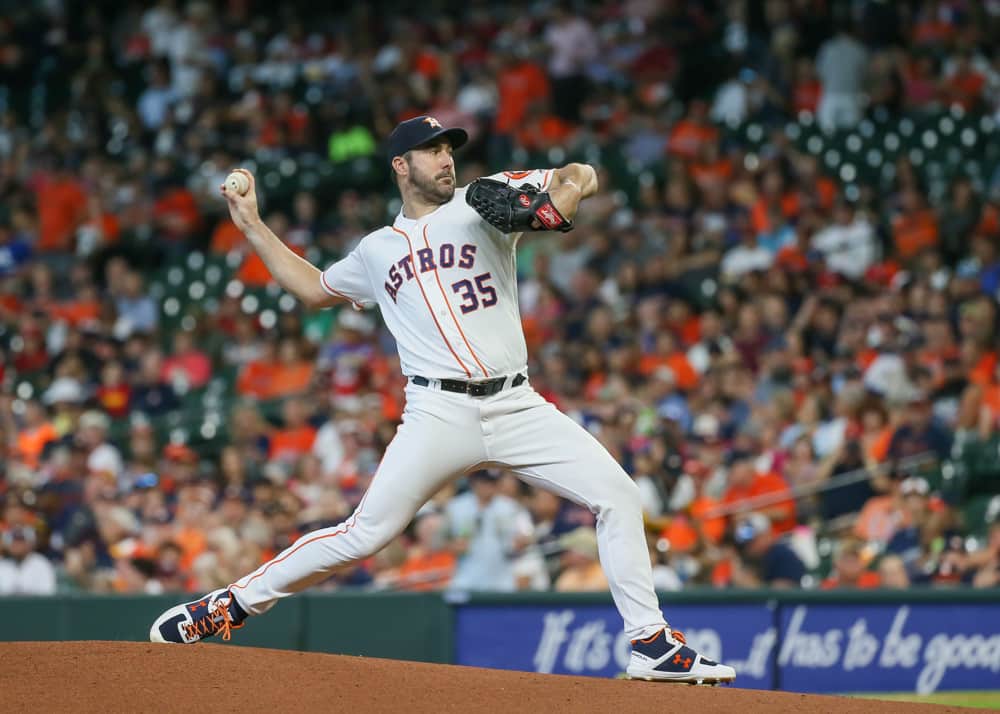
(478, 389)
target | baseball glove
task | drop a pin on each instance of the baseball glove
(514, 210)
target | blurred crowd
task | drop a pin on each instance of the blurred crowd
(789, 364)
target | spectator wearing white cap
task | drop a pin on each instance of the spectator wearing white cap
(581, 567)
(24, 571)
(65, 396)
(488, 531)
(102, 458)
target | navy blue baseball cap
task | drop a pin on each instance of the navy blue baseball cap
(414, 132)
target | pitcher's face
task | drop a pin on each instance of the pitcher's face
(431, 171)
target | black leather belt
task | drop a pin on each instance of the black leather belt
(484, 388)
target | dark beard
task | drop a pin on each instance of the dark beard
(430, 190)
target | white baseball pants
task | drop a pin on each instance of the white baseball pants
(445, 435)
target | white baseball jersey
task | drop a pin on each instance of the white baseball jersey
(447, 288)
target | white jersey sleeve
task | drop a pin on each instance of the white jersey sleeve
(348, 279)
(539, 178)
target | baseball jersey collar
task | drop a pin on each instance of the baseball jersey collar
(403, 221)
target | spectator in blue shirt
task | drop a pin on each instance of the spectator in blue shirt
(775, 563)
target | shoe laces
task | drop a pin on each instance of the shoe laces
(218, 619)
(677, 636)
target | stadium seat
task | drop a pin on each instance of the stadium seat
(980, 513)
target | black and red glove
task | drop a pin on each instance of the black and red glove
(514, 210)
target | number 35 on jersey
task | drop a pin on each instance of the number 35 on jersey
(475, 292)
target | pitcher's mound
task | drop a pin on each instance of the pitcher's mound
(57, 677)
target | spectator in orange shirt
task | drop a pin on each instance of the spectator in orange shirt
(37, 432)
(931, 28)
(682, 320)
(849, 570)
(939, 353)
(253, 271)
(84, 308)
(280, 372)
(429, 564)
(965, 85)
(175, 212)
(746, 486)
(876, 433)
(519, 83)
(914, 228)
(882, 515)
(287, 123)
(696, 523)
(668, 354)
(989, 222)
(294, 372)
(257, 376)
(190, 536)
(710, 168)
(226, 237)
(688, 135)
(795, 257)
(979, 361)
(773, 199)
(295, 438)
(542, 129)
(807, 88)
(99, 228)
(985, 397)
(62, 205)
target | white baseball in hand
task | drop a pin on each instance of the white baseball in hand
(238, 183)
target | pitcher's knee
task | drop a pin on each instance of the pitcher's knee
(621, 497)
(343, 543)
(364, 537)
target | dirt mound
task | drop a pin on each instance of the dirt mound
(55, 677)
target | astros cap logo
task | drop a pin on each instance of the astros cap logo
(433, 122)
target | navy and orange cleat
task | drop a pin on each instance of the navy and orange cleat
(217, 613)
(666, 657)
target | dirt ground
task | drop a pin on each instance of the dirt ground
(56, 677)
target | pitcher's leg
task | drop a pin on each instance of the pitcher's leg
(548, 449)
(424, 455)
(438, 440)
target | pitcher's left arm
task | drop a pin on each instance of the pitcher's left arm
(512, 202)
(570, 185)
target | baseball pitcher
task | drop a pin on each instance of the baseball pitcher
(444, 276)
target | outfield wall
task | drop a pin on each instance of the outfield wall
(864, 641)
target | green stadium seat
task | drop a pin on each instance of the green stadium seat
(980, 513)
(892, 143)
